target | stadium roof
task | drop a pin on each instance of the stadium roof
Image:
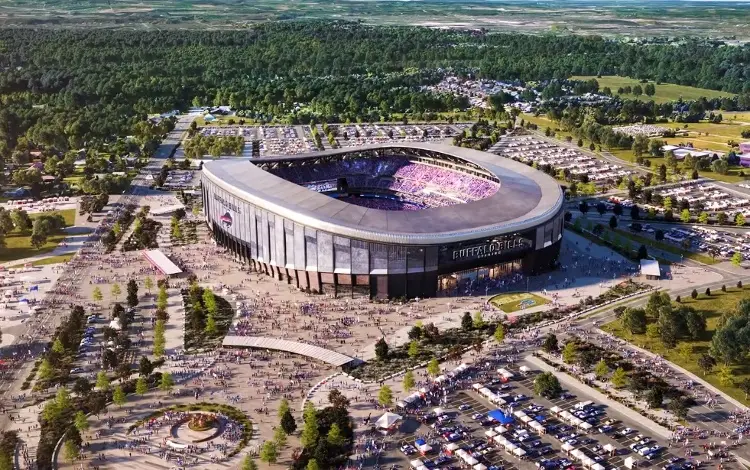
(526, 198)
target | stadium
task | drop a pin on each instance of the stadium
(385, 221)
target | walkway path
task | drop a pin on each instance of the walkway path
(309, 350)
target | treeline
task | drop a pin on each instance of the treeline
(216, 146)
(66, 88)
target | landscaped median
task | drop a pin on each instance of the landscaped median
(667, 247)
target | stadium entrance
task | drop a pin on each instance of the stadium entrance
(470, 278)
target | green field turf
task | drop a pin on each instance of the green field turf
(664, 92)
(18, 246)
(516, 301)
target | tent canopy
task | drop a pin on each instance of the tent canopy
(500, 417)
(609, 448)
(387, 420)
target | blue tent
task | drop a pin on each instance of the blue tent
(500, 417)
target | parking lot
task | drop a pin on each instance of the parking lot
(584, 167)
(538, 432)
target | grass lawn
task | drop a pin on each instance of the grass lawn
(515, 301)
(664, 92)
(51, 260)
(714, 307)
(18, 246)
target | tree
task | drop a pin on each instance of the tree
(706, 363)
(745, 387)
(312, 464)
(601, 370)
(619, 378)
(148, 283)
(549, 344)
(57, 346)
(634, 320)
(102, 381)
(642, 252)
(338, 400)
(283, 408)
(287, 423)
(279, 437)
(211, 328)
(466, 322)
(547, 385)
(570, 352)
(81, 422)
(678, 407)
(409, 382)
(248, 463)
(145, 367)
(385, 396)
(613, 222)
(132, 288)
(118, 396)
(97, 295)
(269, 452)
(310, 431)
(166, 382)
(46, 371)
(116, 291)
(499, 334)
(694, 294)
(433, 367)
(726, 376)
(655, 397)
(381, 350)
(685, 351)
(739, 220)
(721, 218)
(71, 451)
(737, 259)
(478, 321)
(335, 436)
(141, 386)
(720, 166)
(413, 349)
(685, 216)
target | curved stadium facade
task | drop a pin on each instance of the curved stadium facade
(385, 221)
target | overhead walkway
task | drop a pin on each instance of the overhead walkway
(316, 352)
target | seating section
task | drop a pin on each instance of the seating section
(415, 185)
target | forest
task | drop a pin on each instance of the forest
(66, 88)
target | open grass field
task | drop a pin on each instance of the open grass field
(713, 306)
(18, 246)
(664, 91)
(515, 301)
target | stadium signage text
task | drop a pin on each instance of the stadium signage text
(227, 204)
(490, 249)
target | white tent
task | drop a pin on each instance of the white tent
(629, 462)
(519, 452)
(597, 466)
(577, 453)
(490, 433)
(505, 373)
(387, 420)
(519, 414)
(422, 468)
(480, 466)
(500, 440)
(567, 447)
(555, 409)
(416, 463)
(425, 448)
(501, 429)
(477, 386)
(587, 462)
(585, 426)
(510, 447)
(471, 460)
(452, 447)
(439, 411)
(609, 448)
(526, 419)
(524, 369)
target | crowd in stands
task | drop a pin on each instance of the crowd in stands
(417, 184)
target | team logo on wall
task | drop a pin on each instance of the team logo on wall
(226, 219)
